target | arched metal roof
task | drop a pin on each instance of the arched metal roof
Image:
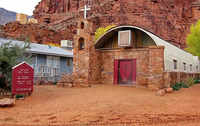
(118, 28)
(170, 52)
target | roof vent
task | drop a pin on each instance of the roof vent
(124, 38)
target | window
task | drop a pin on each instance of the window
(175, 64)
(34, 59)
(184, 66)
(82, 25)
(81, 44)
(197, 68)
(68, 61)
(47, 20)
(146, 40)
(53, 61)
(77, 5)
(68, 5)
(190, 67)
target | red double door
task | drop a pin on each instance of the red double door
(125, 71)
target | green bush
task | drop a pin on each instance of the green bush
(19, 96)
(185, 85)
(3, 82)
(188, 84)
(178, 86)
(10, 56)
(196, 81)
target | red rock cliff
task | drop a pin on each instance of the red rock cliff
(33, 32)
(169, 19)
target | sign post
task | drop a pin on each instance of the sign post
(22, 79)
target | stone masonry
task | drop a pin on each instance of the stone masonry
(97, 66)
(149, 65)
(86, 61)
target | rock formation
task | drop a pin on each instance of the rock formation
(169, 19)
(33, 32)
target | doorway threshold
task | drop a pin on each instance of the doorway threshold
(127, 85)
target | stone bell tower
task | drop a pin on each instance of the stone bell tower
(87, 64)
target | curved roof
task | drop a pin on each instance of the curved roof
(157, 40)
(124, 27)
(170, 52)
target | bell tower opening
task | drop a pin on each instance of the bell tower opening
(81, 44)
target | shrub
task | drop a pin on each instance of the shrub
(193, 39)
(178, 86)
(11, 55)
(190, 82)
(2, 82)
(18, 96)
(196, 81)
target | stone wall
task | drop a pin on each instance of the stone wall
(149, 65)
(142, 61)
(156, 66)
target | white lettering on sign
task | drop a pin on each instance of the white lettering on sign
(23, 71)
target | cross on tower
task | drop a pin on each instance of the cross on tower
(86, 8)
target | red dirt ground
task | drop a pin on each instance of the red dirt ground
(101, 104)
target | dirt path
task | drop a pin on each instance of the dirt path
(104, 105)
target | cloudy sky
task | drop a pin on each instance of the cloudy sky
(19, 6)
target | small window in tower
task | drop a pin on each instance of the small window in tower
(47, 20)
(69, 5)
(175, 64)
(82, 25)
(81, 44)
(78, 4)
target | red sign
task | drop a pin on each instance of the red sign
(22, 78)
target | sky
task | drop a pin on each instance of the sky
(19, 6)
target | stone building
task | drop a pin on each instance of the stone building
(129, 55)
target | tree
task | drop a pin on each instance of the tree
(102, 30)
(11, 55)
(193, 40)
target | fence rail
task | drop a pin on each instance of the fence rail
(46, 71)
(49, 73)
